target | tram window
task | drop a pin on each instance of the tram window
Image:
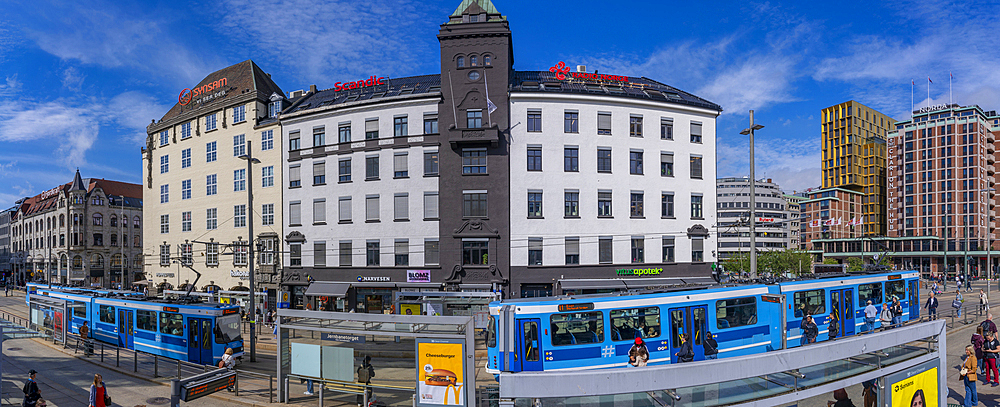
(811, 302)
(145, 320)
(896, 288)
(736, 312)
(227, 329)
(530, 342)
(171, 323)
(628, 324)
(79, 309)
(491, 333)
(677, 326)
(577, 328)
(698, 316)
(107, 314)
(872, 292)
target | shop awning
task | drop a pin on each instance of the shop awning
(592, 284)
(327, 289)
(389, 284)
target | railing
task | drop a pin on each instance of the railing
(969, 308)
(339, 386)
(14, 318)
(241, 383)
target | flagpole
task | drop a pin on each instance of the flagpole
(911, 99)
(950, 77)
(928, 92)
(487, 84)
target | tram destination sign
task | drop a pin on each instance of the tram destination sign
(202, 388)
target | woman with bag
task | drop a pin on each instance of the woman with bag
(99, 393)
(968, 374)
(957, 303)
(228, 362)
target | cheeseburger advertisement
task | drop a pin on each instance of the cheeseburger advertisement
(440, 372)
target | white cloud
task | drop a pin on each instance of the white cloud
(72, 79)
(793, 163)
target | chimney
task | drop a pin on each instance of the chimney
(312, 88)
(769, 181)
(581, 68)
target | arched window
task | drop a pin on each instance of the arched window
(63, 262)
(461, 62)
(473, 61)
(116, 261)
(487, 60)
(98, 219)
(136, 223)
(78, 262)
(96, 262)
(114, 221)
(137, 242)
(48, 223)
(137, 262)
(114, 239)
(62, 220)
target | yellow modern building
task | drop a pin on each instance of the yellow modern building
(854, 158)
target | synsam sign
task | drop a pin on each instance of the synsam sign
(638, 272)
(189, 94)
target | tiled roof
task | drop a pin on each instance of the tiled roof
(241, 78)
(636, 87)
(411, 85)
(131, 192)
(484, 5)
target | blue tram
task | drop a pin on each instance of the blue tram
(193, 332)
(597, 331)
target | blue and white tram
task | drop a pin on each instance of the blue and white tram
(597, 331)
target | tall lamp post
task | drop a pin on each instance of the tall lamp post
(753, 198)
(253, 290)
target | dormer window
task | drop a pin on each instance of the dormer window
(274, 108)
(461, 62)
(474, 18)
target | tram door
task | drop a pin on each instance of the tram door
(125, 328)
(914, 299)
(842, 303)
(200, 341)
(688, 320)
(527, 346)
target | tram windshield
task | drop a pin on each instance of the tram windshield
(227, 329)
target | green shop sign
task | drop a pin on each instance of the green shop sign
(638, 272)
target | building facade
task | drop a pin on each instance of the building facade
(832, 219)
(854, 158)
(87, 232)
(204, 161)
(6, 263)
(795, 229)
(773, 216)
(486, 178)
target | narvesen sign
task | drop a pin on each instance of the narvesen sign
(638, 272)
(187, 95)
(339, 86)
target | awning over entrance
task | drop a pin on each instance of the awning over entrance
(630, 284)
(592, 284)
(327, 289)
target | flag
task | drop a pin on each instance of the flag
(814, 223)
(950, 75)
(913, 83)
(829, 222)
(490, 107)
(839, 221)
(929, 79)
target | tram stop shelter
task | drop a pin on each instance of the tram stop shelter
(416, 358)
(48, 315)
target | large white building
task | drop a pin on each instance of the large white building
(776, 223)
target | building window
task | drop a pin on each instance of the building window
(185, 158)
(114, 221)
(319, 136)
(319, 211)
(267, 176)
(605, 250)
(474, 161)
(572, 206)
(571, 159)
(635, 162)
(534, 251)
(535, 204)
(211, 122)
(211, 218)
(274, 108)
(239, 180)
(430, 163)
(696, 207)
(666, 128)
(475, 252)
(399, 127)
(430, 124)
(432, 253)
(695, 132)
(635, 126)
(344, 209)
(604, 160)
(666, 164)
(211, 254)
(572, 250)
(371, 168)
(344, 252)
(185, 130)
(98, 219)
(371, 131)
(604, 204)
(534, 158)
(164, 193)
(164, 257)
(319, 254)
(696, 167)
(371, 208)
(319, 173)
(697, 249)
(668, 249)
(638, 250)
(295, 254)
(136, 223)
(372, 253)
(460, 62)
(211, 184)
(164, 224)
(210, 152)
(294, 141)
(164, 138)
(401, 252)
(267, 214)
(185, 221)
(240, 253)
(344, 170)
(604, 124)
(571, 122)
(474, 204)
(186, 189)
(534, 120)
(667, 205)
(401, 206)
(239, 145)
(164, 164)
(240, 114)
(400, 165)
(635, 204)
(431, 211)
(474, 119)
(267, 140)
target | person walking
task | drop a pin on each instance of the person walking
(366, 372)
(228, 362)
(88, 348)
(686, 354)
(957, 303)
(984, 301)
(809, 330)
(897, 311)
(968, 374)
(991, 352)
(30, 389)
(977, 343)
(99, 393)
(870, 314)
(833, 327)
(931, 305)
(711, 347)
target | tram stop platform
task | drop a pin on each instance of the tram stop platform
(904, 361)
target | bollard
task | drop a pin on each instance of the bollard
(237, 382)
(321, 386)
(102, 353)
(178, 369)
(286, 390)
(135, 361)
(118, 356)
(156, 366)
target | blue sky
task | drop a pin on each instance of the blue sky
(80, 80)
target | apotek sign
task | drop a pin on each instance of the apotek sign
(187, 95)
(638, 272)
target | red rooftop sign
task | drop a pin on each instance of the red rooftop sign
(372, 81)
(561, 70)
(187, 95)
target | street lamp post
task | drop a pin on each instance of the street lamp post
(753, 198)
(253, 291)
(989, 245)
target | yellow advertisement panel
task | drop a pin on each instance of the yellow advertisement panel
(920, 390)
(409, 309)
(441, 373)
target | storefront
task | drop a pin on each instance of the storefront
(371, 296)
(602, 286)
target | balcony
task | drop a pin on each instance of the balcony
(990, 137)
(460, 136)
(991, 158)
(991, 147)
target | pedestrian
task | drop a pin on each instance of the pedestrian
(99, 393)
(977, 343)
(31, 393)
(686, 354)
(711, 346)
(870, 314)
(85, 337)
(957, 303)
(834, 325)
(988, 325)
(638, 354)
(809, 330)
(869, 391)
(984, 301)
(887, 314)
(366, 372)
(840, 399)
(897, 311)
(228, 362)
(931, 305)
(991, 352)
(935, 288)
(968, 374)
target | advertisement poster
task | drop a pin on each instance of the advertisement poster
(917, 390)
(418, 276)
(409, 309)
(440, 372)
